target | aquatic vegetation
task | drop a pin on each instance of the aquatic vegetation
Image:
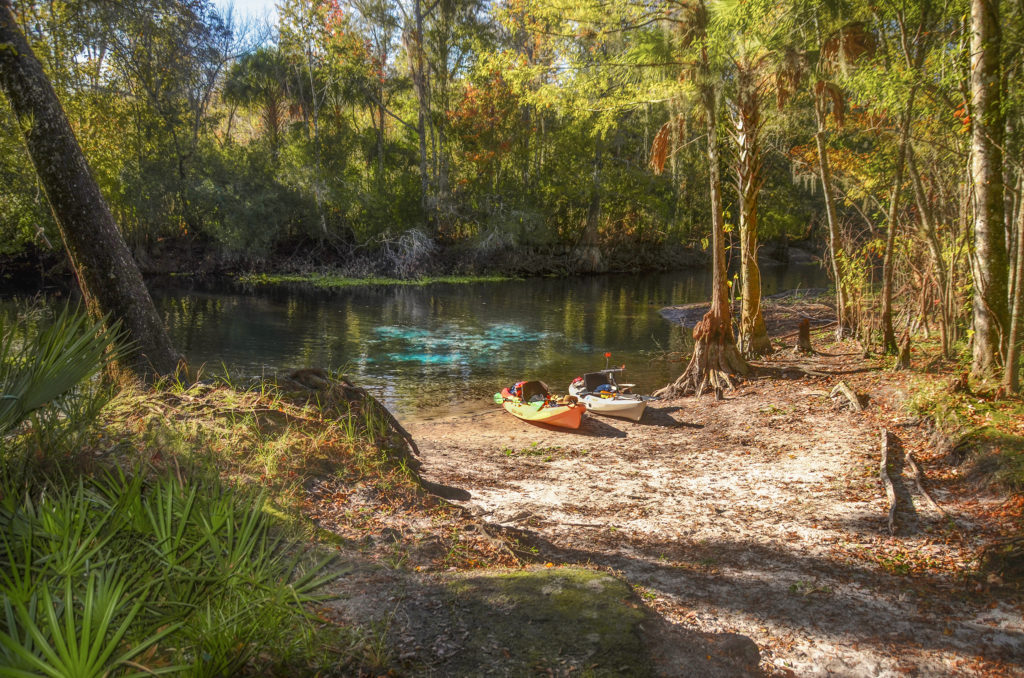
(337, 282)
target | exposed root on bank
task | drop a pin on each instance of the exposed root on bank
(890, 490)
(715, 362)
(329, 392)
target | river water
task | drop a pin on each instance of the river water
(428, 346)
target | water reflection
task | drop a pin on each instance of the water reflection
(444, 342)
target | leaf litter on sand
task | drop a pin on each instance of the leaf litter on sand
(762, 515)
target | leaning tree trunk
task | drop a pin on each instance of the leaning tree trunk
(988, 264)
(715, 356)
(754, 340)
(107, 275)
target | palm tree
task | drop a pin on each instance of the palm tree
(715, 355)
(260, 80)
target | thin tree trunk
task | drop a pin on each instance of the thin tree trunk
(419, 78)
(825, 173)
(1011, 373)
(988, 264)
(107, 275)
(930, 233)
(588, 252)
(888, 332)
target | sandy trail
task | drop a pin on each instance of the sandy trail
(761, 515)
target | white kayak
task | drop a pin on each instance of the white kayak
(601, 395)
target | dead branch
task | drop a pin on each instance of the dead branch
(919, 481)
(842, 388)
(890, 491)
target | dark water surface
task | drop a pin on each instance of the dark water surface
(418, 347)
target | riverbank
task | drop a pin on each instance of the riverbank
(403, 262)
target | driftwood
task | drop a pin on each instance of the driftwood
(842, 388)
(919, 481)
(890, 491)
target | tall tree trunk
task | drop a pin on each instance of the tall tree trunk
(715, 356)
(753, 334)
(108, 276)
(1011, 373)
(588, 253)
(414, 47)
(825, 172)
(888, 332)
(988, 264)
(318, 197)
(931, 237)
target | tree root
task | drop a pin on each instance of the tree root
(903, 361)
(883, 472)
(842, 388)
(714, 363)
(329, 392)
(919, 481)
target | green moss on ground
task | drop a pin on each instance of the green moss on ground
(337, 281)
(565, 620)
(986, 431)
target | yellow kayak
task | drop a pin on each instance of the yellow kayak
(533, 403)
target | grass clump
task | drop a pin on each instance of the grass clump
(552, 621)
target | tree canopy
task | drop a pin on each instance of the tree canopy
(889, 134)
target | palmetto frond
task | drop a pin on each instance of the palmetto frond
(37, 369)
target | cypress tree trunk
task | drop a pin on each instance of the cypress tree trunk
(107, 275)
(988, 265)
(715, 355)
